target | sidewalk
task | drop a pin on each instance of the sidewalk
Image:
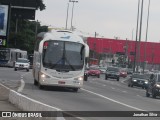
(5, 105)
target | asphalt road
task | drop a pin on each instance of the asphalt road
(96, 95)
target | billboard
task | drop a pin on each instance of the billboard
(4, 9)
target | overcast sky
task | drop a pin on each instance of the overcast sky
(109, 18)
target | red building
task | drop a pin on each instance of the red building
(105, 45)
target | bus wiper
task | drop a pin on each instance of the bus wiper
(53, 66)
(62, 61)
(70, 64)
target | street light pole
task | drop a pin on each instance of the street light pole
(140, 31)
(74, 1)
(135, 55)
(67, 16)
(146, 38)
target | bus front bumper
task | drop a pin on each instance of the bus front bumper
(61, 83)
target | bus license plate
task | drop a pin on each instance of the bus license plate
(61, 82)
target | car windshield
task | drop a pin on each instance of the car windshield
(60, 55)
(113, 69)
(22, 61)
(102, 68)
(94, 68)
(158, 80)
(140, 76)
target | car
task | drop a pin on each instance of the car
(153, 86)
(103, 70)
(22, 63)
(129, 70)
(123, 73)
(94, 71)
(139, 80)
(112, 72)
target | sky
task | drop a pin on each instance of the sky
(108, 18)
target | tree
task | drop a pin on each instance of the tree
(40, 5)
(25, 37)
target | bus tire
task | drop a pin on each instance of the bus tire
(75, 89)
(40, 86)
(35, 82)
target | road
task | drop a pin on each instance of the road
(96, 95)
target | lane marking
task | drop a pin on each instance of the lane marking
(112, 88)
(113, 100)
(20, 89)
(124, 91)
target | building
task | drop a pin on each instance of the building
(108, 49)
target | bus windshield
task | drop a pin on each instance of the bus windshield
(4, 54)
(62, 55)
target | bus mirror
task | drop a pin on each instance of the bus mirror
(86, 50)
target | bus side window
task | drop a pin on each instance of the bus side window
(11, 56)
(20, 55)
(16, 56)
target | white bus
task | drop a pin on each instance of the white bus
(8, 56)
(59, 60)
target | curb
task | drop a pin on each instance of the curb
(27, 104)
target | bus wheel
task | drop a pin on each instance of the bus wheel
(40, 86)
(75, 89)
(35, 82)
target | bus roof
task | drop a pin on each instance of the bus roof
(63, 35)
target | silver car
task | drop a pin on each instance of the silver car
(22, 63)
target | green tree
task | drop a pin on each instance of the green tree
(26, 33)
(40, 5)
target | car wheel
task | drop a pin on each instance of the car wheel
(129, 85)
(117, 79)
(106, 77)
(15, 69)
(85, 77)
(98, 76)
(153, 94)
(147, 94)
(27, 70)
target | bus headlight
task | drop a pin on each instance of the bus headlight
(79, 78)
(44, 75)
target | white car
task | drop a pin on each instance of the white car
(22, 63)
